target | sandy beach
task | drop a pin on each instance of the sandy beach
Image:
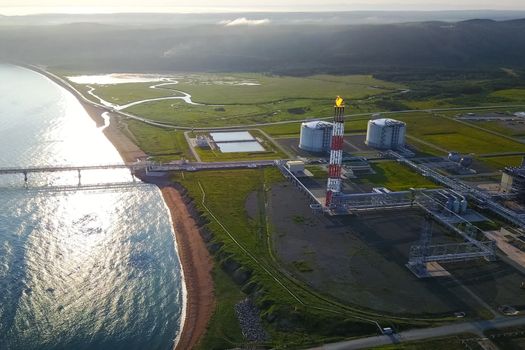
(195, 258)
(197, 265)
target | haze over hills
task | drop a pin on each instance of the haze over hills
(260, 44)
(319, 18)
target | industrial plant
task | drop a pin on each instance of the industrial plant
(513, 181)
(454, 205)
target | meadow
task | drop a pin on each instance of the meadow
(245, 98)
(455, 136)
(258, 88)
(395, 177)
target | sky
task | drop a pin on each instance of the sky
(21, 7)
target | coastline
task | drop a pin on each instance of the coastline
(197, 266)
(196, 261)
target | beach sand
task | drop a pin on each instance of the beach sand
(195, 258)
(197, 264)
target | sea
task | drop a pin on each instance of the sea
(82, 265)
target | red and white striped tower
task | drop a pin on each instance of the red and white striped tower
(336, 152)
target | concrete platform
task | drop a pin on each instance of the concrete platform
(433, 269)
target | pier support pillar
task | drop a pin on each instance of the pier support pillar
(25, 177)
(79, 177)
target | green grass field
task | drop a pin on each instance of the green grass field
(210, 89)
(223, 330)
(246, 98)
(454, 136)
(180, 113)
(513, 129)
(162, 145)
(122, 94)
(517, 95)
(499, 163)
(395, 176)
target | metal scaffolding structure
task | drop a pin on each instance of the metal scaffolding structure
(424, 252)
(346, 203)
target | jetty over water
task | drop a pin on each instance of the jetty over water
(145, 167)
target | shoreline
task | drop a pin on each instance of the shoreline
(196, 261)
(197, 267)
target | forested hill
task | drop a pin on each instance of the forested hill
(287, 49)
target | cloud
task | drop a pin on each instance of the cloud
(243, 21)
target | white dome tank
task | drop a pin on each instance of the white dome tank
(386, 133)
(316, 136)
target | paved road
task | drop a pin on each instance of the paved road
(477, 327)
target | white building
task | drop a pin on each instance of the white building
(386, 133)
(316, 136)
(295, 166)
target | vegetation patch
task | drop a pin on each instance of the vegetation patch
(271, 88)
(223, 330)
(500, 162)
(395, 176)
(122, 94)
(455, 136)
(160, 144)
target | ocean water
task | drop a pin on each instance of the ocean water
(79, 268)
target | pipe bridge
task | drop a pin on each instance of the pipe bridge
(134, 168)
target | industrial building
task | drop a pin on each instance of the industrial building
(387, 134)
(295, 166)
(316, 136)
(513, 181)
(202, 142)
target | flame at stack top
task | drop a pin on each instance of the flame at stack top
(336, 152)
(339, 102)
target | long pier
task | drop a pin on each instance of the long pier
(146, 167)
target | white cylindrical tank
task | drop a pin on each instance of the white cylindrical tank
(386, 133)
(316, 136)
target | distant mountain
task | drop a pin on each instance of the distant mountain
(284, 18)
(291, 49)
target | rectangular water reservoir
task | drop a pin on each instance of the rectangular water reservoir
(232, 136)
(246, 146)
